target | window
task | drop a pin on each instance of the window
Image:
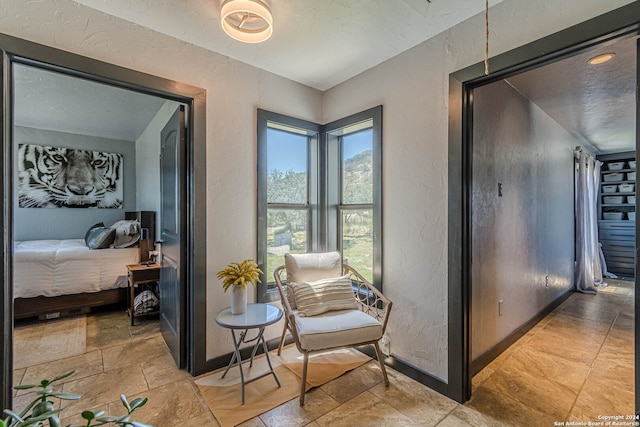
(319, 189)
(287, 192)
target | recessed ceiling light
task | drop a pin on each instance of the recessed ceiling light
(601, 59)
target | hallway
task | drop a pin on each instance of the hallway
(575, 365)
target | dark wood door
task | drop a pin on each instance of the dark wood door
(172, 232)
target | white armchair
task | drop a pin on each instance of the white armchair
(329, 305)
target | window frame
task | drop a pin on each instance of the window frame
(324, 183)
(336, 206)
(313, 134)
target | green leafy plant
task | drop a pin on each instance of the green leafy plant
(240, 274)
(41, 412)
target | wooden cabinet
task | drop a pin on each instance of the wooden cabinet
(616, 212)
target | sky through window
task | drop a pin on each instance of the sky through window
(287, 151)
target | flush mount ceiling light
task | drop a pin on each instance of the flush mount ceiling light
(248, 21)
(601, 59)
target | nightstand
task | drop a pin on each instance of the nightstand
(141, 274)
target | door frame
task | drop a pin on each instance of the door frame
(622, 21)
(17, 50)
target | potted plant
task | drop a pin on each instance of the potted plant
(41, 412)
(237, 276)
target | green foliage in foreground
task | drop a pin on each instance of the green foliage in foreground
(41, 412)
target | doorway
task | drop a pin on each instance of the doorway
(462, 84)
(18, 52)
(66, 130)
(525, 130)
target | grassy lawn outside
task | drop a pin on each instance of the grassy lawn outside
(357, 244)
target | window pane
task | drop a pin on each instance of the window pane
(286, 233)
(357, 240)
(357, 167)
(286, 167)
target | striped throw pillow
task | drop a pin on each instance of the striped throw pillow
(321, 296)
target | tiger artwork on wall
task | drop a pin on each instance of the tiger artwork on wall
(57, 177)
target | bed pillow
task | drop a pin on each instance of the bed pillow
(100, 237)
(96, 225)
(321, 296)
(127, 233)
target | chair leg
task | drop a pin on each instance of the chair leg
(381, 362)
(284, 335)
(303, 388)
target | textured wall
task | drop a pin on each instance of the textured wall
(523, 245)
(148, 162)
(69, 223)
(413, 89)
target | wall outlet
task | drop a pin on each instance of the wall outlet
(500, 304)
(385, 345)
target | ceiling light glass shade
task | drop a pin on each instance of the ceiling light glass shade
(601, 59)
(248, 21)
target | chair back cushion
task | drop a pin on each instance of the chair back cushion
(312, 266)
(321, 296)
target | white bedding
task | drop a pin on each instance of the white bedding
(63, 267)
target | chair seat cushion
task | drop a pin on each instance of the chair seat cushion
(336, 329)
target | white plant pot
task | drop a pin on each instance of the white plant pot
(238, 300)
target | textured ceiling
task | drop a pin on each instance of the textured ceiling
(595, 103)
(54, 101)
(319, 43)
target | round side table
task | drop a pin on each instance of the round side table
(257, 316)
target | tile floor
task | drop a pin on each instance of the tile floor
(576, 364)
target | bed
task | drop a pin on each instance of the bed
(53, 278)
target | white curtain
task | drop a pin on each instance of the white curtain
(588, 268)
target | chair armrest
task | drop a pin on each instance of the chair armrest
(369, 299)
(290, 319)
(283, 291)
